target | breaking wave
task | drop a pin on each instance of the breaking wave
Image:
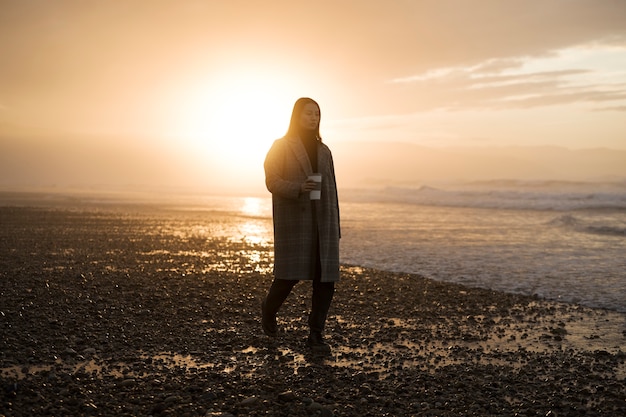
(513, 196)
(571, 222)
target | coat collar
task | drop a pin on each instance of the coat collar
(300, 152)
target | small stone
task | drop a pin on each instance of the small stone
(127, 382)
(315, 406)
(249, 402)
(70, 352)
(209, 396)
(320, 409)
(171, 399)
(158, 408)
(287, 396)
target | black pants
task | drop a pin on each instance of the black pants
(320, 300)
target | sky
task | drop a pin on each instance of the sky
(190, 91)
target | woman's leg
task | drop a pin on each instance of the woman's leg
(322, 297)
(320, 303)
(276, 296)
(278, 293)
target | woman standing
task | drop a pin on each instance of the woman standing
(306, 230)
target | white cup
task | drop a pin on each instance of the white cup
(317, 193)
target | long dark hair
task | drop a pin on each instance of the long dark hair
(294, 123)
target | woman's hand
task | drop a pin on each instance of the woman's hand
(308, 185)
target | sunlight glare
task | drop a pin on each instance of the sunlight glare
(257, 207)
(235, 118)
(258, 229)
(251, 206)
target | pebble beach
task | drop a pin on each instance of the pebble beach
(115, 312)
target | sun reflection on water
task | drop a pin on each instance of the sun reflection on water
(255, 233)
(256, 229)
(256, 207)
(237, 240)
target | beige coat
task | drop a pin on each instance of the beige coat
(287, 166)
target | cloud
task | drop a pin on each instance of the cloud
(64, 54)
(615, 108)
(407, 37)
(520, 83)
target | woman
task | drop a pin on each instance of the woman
(306, 231)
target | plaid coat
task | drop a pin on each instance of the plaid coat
(287, 166)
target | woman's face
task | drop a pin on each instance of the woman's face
(310, 117)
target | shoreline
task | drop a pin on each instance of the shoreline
(106, 314)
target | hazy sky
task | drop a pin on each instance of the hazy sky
(207, 78)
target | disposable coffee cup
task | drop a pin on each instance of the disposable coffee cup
(316, 194)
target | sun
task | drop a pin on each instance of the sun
(233, 119)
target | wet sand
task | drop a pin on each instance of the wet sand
(115, 312)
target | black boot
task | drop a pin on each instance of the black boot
(317, 344)
(268, 321)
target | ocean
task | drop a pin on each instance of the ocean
(558, 240)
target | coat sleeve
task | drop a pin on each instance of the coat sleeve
(275, 172)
